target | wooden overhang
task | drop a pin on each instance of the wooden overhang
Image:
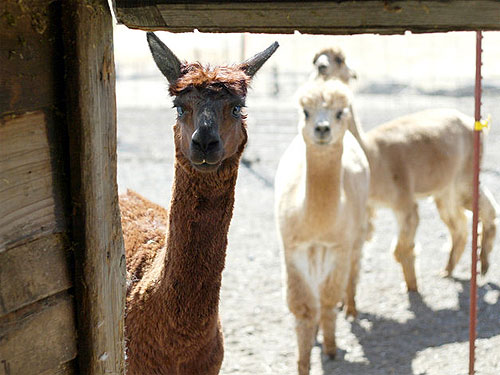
(310, 17)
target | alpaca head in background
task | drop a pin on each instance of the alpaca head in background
(325, 111)
(210, 132)
(331, 63)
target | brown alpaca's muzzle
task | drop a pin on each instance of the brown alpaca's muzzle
(206, 148)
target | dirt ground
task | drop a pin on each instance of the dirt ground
(395, 332)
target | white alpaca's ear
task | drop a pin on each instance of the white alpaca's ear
(253, 64)
(164, 58)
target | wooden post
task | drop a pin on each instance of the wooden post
(475, 206)
(99, 253)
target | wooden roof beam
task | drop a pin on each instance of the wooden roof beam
(310, 17)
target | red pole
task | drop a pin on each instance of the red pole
(475, 207)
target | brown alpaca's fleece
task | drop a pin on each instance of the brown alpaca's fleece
(172, 323)
(145, 225)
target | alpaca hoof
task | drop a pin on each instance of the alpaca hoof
(412, 287)
(303, 369)
(351, 311)
(331, 353)
(484, 268)
(445, 274)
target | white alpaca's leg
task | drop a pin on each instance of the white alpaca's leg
(331, 293)
(328, 320)
(453, 215)
(488, 212)
(305, 329)
(354, 275)
(304, 307)
(407, 216)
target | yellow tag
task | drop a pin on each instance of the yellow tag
(480, 125)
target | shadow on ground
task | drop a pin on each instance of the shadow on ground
(400, 342)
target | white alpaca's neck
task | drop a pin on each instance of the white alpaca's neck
(323, 183)
(357, 130)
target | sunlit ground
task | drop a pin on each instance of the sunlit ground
(394, 333)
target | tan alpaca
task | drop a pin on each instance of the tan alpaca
(172, 323)
(428, 153)
(330, 63)
(322, 186)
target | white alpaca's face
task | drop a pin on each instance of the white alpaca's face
(325, 115)
(331, 64)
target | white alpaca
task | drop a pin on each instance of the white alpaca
(322, 187)
(428, 153)
(330, 63)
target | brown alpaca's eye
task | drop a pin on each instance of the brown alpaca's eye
(180, 111)
(236, 111)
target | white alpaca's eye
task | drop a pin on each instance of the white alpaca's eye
(306, 114)
(339, 114)
(236, 112)
(338, 60)
(180, 111)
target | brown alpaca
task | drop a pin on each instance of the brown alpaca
(172, 322)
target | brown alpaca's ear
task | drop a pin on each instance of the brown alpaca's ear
(164, 58)
(316, 56)
(253, 64)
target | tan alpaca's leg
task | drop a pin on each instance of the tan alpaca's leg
(305, 329)
(328, 321)
(304, 307)
(453, 215)
(332, 292)
(407, 216)
(488, 211)
(354, 277)
(370, 214)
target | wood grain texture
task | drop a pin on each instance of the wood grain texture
(30, 58)
(99, 253)
(40, 338)
(67, 368)
(312, 17)
(34, 271)
(28, 198)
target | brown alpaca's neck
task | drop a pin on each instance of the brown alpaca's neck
(323, 183)
(199, 218)
(174, 316)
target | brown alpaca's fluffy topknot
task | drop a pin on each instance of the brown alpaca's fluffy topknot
(196, 75)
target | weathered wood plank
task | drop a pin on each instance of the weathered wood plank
(99, 253)
(314, 17)
(29, 199)
(39, 337)
(67, 368)
(34, 271)
(30, 58)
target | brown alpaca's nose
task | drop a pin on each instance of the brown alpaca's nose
(205, 141)
(206, 149)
